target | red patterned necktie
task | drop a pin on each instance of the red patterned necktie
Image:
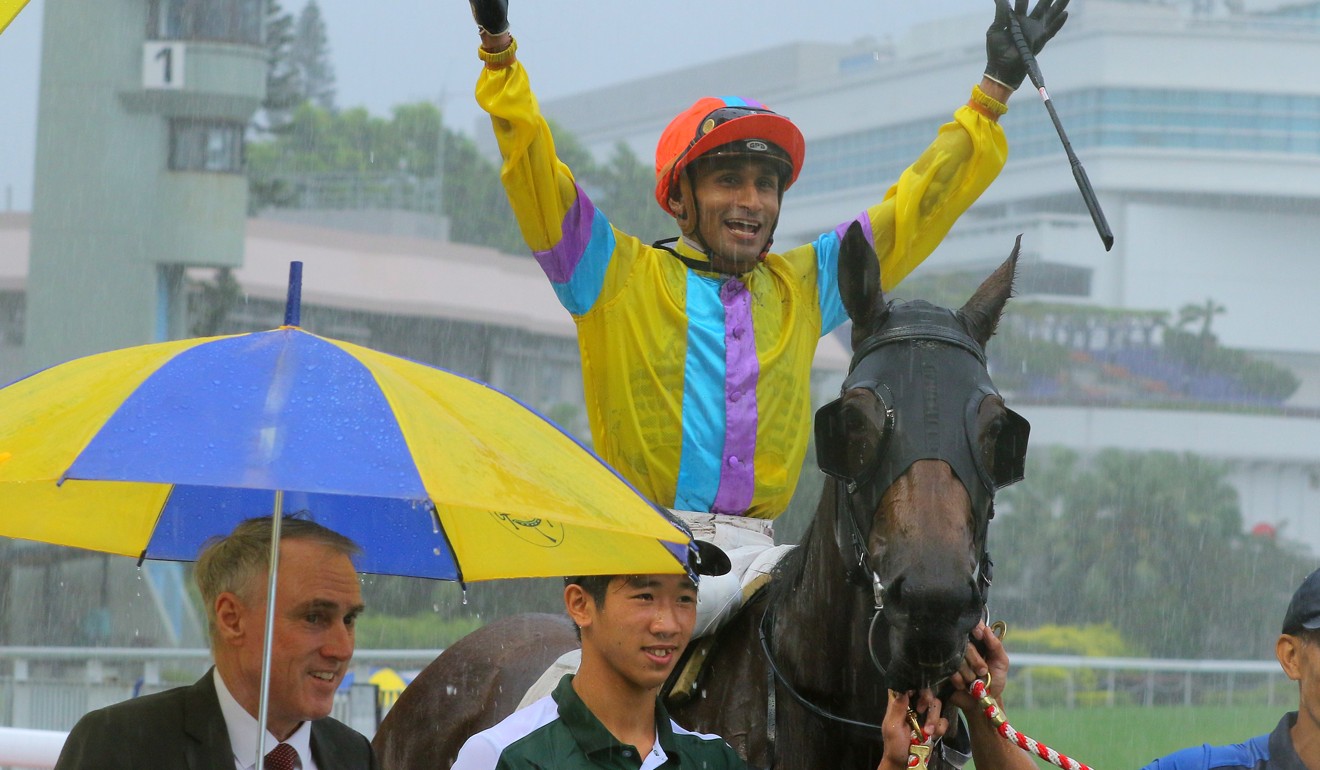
(281, 758)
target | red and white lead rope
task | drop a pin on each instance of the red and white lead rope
(997, 718)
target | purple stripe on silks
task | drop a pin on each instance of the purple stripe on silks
(864, 219)
(562, 259)
(742, 370)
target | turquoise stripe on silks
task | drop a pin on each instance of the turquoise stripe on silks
(703, 396)
(576, 265)
(275, 410)
(832, 312)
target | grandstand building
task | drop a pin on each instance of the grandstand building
(1199, 126)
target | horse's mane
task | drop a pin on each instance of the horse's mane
(787, 575)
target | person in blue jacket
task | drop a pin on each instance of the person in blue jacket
(1295, 742)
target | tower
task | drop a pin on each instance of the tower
(139, 169)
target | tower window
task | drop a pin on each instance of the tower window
(206, 145)
(234, 21)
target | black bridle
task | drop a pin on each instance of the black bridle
(931, 368)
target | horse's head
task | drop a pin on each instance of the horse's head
(917, 444)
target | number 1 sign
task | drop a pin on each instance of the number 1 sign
(162, 64)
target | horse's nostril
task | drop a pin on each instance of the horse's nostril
(929, 599)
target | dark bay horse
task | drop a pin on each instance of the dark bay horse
(882, 593)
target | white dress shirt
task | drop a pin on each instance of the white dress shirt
(243, 733)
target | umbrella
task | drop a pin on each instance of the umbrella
(8, 10)
(148, 451)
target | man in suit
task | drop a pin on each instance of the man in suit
(212, 724)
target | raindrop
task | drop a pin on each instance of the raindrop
(451, 690)
(464, 597)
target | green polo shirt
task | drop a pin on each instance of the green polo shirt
(559, 732)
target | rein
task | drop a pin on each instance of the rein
(777, 675)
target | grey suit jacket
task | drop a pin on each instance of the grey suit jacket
(184, 728)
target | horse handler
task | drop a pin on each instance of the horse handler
(1295, 742)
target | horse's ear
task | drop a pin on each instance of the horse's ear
(981, 313)
(859, 277)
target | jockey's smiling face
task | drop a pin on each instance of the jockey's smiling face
(737, 201)
(640, 629)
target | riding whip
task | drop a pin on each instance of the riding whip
(1079, 173)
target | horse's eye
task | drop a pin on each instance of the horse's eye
(989, 438)
(854, 422)
(864, 423)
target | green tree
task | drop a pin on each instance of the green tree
(626, 189)
(283, 84)
(1203, 314)
(1150, 542)
(212, 303)
(403, 150)
(311, 56)
(406, 148)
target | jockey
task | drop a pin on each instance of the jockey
(697, 350)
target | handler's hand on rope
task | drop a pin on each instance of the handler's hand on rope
(978, 688)
(906, 747)
(492, 16)
(1003, 62)
(985, 656)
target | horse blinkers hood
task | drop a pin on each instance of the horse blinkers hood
(931, 380)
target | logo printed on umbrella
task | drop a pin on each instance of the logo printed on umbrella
(542, 532)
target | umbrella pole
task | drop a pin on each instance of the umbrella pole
(270, 627)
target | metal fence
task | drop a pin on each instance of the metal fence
(399, 191)
(49, 688)
(1073, 681)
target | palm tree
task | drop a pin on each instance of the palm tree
(1204, 314)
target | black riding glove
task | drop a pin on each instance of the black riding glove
(1003, 62)
(492, 16)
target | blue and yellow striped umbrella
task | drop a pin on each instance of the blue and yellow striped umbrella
(8, 10)
(147, 451)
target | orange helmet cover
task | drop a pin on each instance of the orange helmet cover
(714, 121)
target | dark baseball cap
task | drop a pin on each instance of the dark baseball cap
(1304, 609)
(703, 558)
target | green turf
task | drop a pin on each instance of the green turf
(1127, 737)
